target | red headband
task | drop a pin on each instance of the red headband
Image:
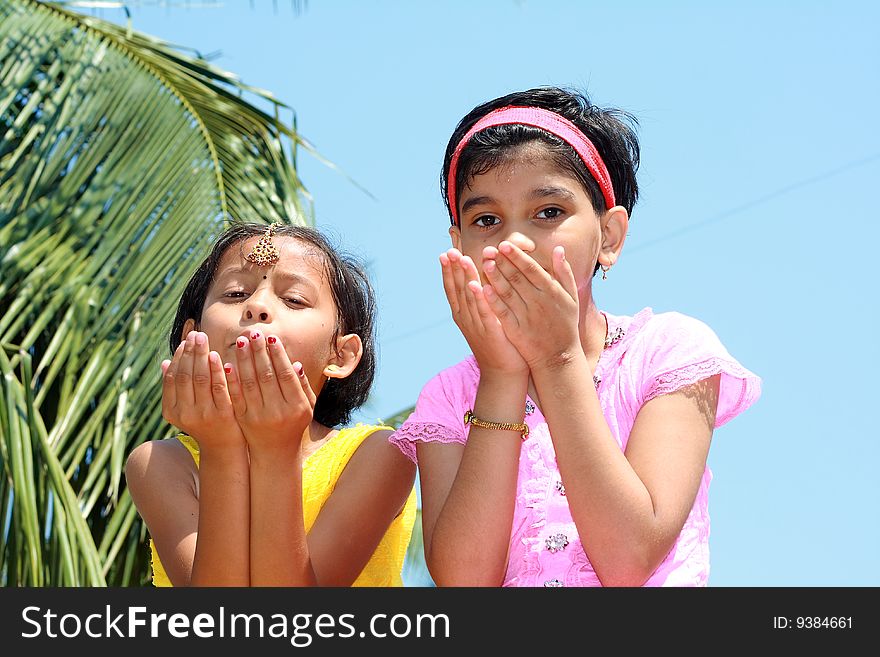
(538, 118)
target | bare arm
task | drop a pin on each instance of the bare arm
(469, 491)
(370, 493)
(222, 552)
(279, 550)
(203, 534)
(629, 508)
(274, 404)
(195, 535)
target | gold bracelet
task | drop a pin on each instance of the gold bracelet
(522, 427)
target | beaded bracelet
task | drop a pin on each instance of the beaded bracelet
(522, 427)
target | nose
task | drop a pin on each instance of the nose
(522, 241)
(256, 308)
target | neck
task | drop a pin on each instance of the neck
(314, 436)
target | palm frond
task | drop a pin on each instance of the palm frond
(121, 159)
(399, 418)
(415, 570)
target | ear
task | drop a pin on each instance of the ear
(615, 224)
(188, 325)
(455, 234)
(349, 350)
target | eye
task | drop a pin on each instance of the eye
(549, 213)
(486, 221)
(235, 294)
(296, 302)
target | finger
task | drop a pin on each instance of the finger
(247, 374)
(288, 377)
(471, 273)
(305, 386)
(201, 369)
(233, 386)
(526, 266)
(175, 358)
(563, 273)
(448, 283)
(459, 283)
(169, 387)
(496, 273)
(219, 387)
(487, 316)
(183, 377)
(506, 317)
(469, 269)
(266, 376)
(169, 392)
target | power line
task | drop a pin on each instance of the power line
(758, 201)
(806, 182)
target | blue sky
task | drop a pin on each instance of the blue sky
(759, 151)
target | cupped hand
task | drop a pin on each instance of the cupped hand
(475, 318)
(195, 396)
(538, 310)
(271, 396)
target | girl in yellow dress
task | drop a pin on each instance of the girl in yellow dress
(273, 347)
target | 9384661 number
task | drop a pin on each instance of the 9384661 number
(818, 622)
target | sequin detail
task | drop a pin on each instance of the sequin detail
(614, 336)
(553, 584)
(597, 380)
(556, 543)
(560, 487)
(530, 407)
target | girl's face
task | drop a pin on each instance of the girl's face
(529, 201)
(291, 299)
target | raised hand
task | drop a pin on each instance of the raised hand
(271, 396)
(538, 310)
(195, 396)
(474, 318)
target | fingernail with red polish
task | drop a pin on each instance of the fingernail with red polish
(271, 339)
(240, 343)
(298, 368)
(227, 369)
(255, 335)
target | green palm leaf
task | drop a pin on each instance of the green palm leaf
(120, 161)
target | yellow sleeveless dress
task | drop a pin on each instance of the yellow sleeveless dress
(321, 471)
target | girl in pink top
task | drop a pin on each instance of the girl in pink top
(570, 449)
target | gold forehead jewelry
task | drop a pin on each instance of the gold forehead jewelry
(264, 252)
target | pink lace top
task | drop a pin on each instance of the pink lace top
(652, 355)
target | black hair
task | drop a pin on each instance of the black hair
(612, 132)
(355, 312)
